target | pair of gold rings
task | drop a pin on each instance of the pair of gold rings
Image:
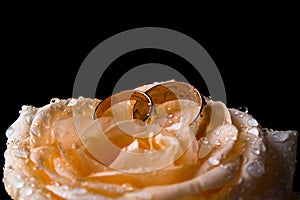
(146, 102)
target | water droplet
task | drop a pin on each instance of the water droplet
(18, 176)
(74, 146)
(256, 151)
(240, 180)
(54, 100)
(24, 107)
(253, 131)
(6, 154)
(43, 117)
(218, 143)
(78, 191)
(241, 115)
(57, 184)
(243, 109)
(21, 153)
(213, 161)
(127, 186)
(35, 131)
(170, 116)
(263, 147)
(175, 117)
(9, 132)
(27, 191)
(217, 132)
(84, 184)
(203, 140)
(223, 166)
(280, 136)
(19, 184)
(29, 118)
(80, 111)
(72, 102)
(256, 169)
(234, 138)
(169, 108)
(170, 121)
(236, 112)
(205, 148)
(65, 187)
(252, 122)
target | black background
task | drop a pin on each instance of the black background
(257, 59)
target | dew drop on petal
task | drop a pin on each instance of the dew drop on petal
(213, 161)
(24, 107)
(9, 132)
(35, 131)
(280, 136)
(28, 118)
(78, 191)
(234, 138)
(21, 153)
(253, 131)
(54, 100)
(170, 116)
(236, 112)
(243, 109)
(256, 169)
(256, 151)
(204, 140)
(73, 102)
(240, 180)
(218, 143)
(27, 191)
(205, 148)
(252, 122)
(18, 176)
(6, 154)
(19, 184)
(263, 147)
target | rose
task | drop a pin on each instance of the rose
(50, 155)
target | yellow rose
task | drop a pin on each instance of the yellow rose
(60, 151)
